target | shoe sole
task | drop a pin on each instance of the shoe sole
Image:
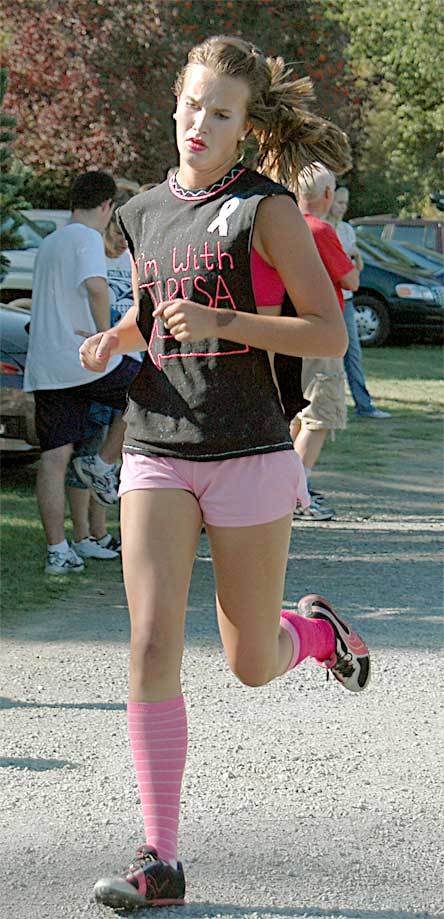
(65, 571)
(121, 895)
(305, 607)
(98, 558)
(86, 481)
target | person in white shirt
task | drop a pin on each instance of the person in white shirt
(70, 301)
(91, 538)
(353, 358)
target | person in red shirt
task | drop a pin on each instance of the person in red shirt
(322, 378)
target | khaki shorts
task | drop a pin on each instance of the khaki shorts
(323, 383)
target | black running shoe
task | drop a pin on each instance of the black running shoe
(319, 495)
(350, 662)
(148, 882)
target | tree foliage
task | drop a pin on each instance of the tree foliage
(91, 82)
(10, 183)
(394, 56)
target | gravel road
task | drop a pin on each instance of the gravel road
(300, 800)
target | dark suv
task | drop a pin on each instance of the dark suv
(417, 231)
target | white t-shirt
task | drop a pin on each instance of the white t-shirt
(120, 290)
(347, 237)
(60, 306)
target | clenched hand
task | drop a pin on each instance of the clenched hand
(187, 321)
(97, 350)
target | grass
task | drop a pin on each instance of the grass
(406, 378)
(406, 381)
(23, 546)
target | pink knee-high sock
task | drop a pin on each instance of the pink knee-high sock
(158, 737)
(309, 637)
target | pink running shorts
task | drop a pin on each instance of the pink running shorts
(241, 492)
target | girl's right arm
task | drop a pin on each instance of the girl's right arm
(124, 337)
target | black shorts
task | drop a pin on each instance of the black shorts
(61, 414)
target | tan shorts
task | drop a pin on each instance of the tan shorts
(323, 383)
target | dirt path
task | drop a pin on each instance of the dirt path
(300, 800)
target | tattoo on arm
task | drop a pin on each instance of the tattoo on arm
(225, 318)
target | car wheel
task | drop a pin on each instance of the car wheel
(372, 321)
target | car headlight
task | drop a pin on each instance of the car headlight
(415, 292)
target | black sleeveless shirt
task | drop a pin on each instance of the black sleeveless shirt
(213, 399)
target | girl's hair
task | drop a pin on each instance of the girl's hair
(288, 136)
(147, 187)
(123, 194)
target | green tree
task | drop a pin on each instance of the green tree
(10, 183)
(394, 53)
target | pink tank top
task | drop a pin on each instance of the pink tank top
(268, 288)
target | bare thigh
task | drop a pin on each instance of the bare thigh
(160, 532)
(249, 567)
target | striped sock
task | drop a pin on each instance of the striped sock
(158, 738)
(309, 637)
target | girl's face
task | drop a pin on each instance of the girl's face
(115, 242)
(210, 119)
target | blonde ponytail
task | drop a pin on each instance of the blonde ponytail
(285, 136)
(289, 136)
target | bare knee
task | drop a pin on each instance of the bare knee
(151, 654)
(251, 673)
(253, 662)
(55, 461)
(156, 652)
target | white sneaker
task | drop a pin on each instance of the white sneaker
(91, 548)
(108, 541)
(103, 484)
(63, 562)
(375, 413)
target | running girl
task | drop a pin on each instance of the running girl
(215, 248)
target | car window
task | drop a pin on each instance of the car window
(414, 235)
(430, 237)
(403, 255)
(375, 229)
(27, 237)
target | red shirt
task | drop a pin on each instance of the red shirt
(332, 254)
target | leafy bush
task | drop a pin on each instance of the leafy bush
(92, 81)
(10, 184)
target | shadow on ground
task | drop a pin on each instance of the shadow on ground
(379, 562)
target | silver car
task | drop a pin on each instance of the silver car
(17, 282)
